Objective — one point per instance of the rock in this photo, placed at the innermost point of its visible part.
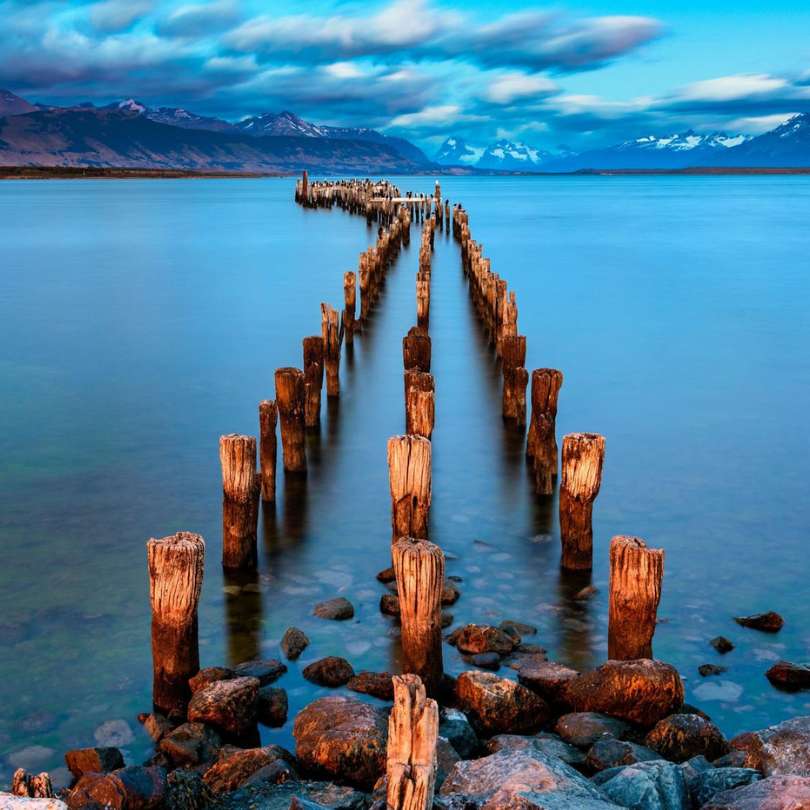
(708, 784)
(185, 790)
(733, 759)
(377, 684)
(228, 706)
(583, 729)
(450, 593)
(609, 752)
(446, 758)
(330, 671)
(778, 750)
(389, 604)
(132, 788)
(775, 793)
(10, 802)
(268, 796)
(641, 691)
(682, 736)
(456, 728)
(789, 677)
(547, 678)
(517, 629)
(499, 706)
(93, 760)
(481, 638)
(770, 622)
(344, 738)
(114, 734)
(293, 643)
(447, 619)
(338, 609)
(654, 785)
(265, 671)
(721, 644)
(237, 768)
(528, 780)
(692, 767)
(191, 744)
(711, 669)
(156, 725)
(548, 744)
(387, 575)
(208, 676)
(488, 660)
(272, 707)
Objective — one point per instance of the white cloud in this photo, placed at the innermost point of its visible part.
(511, 86)
(439, 115)
(116, 15)
(344, 70)
(757, 124)
(732, 88)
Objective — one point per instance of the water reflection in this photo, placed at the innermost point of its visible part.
(243, 615)
(574, 625)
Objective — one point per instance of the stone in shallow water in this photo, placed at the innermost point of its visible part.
(265, 670)
(780, 749)
(682, 736)
(547, 678)
(583, 729)
(377, 684)
(706, 670)
(653, 785)
(708, 784)
(770, 622)
(488, 660)
(134, 787)
(210, 675)
(238, 767)
(114, 733)
(338, 609)
(724, 691)
(774, 793)
(389, 604)
(294, 642)
(228, 706)
(272, 709)
(517, 629)
(789, 677)
(454, 725)
(191, 744)
(93, 760)
(480, 638)
(331, 671)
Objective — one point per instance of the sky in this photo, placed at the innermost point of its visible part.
(569, 76)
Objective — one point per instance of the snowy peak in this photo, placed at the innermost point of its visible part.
(686, 141)
(796, 126)
(283, 123)
(511, 155)
(457, 152)
(131, 105)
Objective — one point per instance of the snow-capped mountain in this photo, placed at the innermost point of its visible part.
(457, 152)
(283, 123)
(511, 156)
(687, 141)
(787, 146)
(173, 116)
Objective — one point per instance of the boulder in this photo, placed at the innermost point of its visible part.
(450, 593)
(330, 671)
(284, 796)
(706, 785)
(682, 736)
(642, 691)
(264, 670)
(389, 604)
(272, 707)
(344, 738)
(525, 779)
(456, 728)
(132, 788)
(488, 660)
(777, 750)
(609, 752)
(789, 677)
(721, 644)
(185, 790)
(482, 638)
(338, 609)
(237, 768)
(547, 678)
(770, 622)
(550, 744)
(377, 684)
(156, 725)
(653, 785)
(774, 793)
(446, 758)
(191, 744)
(210, 675)
(229, 706)
(93, 760)
(293, 643)
(499, 706)
(517, 629)
(583, 729)
(387, 575)
(733, 759)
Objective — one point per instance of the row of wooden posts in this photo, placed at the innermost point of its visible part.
(176, 562)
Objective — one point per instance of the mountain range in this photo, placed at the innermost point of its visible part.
(130, 134)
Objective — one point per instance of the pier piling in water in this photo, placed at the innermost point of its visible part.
(582, 458)
(636, 573)
(420, 394)
(515, 378)
(268, 418)
(349, 303)
(541, 444)
(416, 349)
(332, 331)
(409, 473)
(240, 494)
(175, 566)
(290, 399)
(313, 378)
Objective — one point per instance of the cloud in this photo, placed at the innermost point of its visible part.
(438, 116)
(512, 86)
(732, 88)
(199, 20)
(117, 15)
(756, 125)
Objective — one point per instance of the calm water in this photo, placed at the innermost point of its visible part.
(142, 319)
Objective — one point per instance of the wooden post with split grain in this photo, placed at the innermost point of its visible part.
(240, 491)
(409, 473)
(28, 785)
(420, 398)
(290, 398)
(515, 378)
(636, 573)
(423, 299)
(416, 349)
(541, 445)
(332, 332)
(582, 458)
(175, 565)
(350, 304)
(268, 418)
(313, 378)
(419, 570)
(413, 734)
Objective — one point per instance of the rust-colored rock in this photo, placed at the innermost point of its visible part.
(93, 760)
(191, 744)
(547, 678)
(228, 706)
(238, 767)
(682, 736)
(132, 788)
(777, 750)
(480, 638)
(378, 684)
(210, 675)
(775, 793)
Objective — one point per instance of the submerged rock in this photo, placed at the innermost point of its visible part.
(489, 660)
(777, 750)
(93, 760)
(265, 671)
(547, 678)
(377, 684)
(789, 677)
(191, 744)
(210, 675)
(682, 736)
(238, 767)
(293, 643)
(770, 622)
(338, 609)
(482, 638)
(450, 593)
(517, 629)
(132, 788)
(331, 671)
(721, 644)
(228, 706)
(114, 734)
(583, 729)
(708, 784)
(389, 604)
(272, 708)
(773, 793)
(706, 670)
(654, 785)
(609, 752)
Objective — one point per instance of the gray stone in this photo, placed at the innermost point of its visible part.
(293, 643)
(609, 752)
(780, 749)
(266, 671)
(774, 793)
(583, 729)
(456, 728)
(706, 785)
(654, 785)
(545, 743)
(338, 609)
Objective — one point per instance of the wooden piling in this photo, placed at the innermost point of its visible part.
(423, 300)
(636, 573)
(409, 472)
(313, 378)
(416, 349)
(582, 458)
(175, 565)
(541, 445)
(420, 399)
(349, 303)
(268, 418)
(413, 733)
(515, 378)
(290, 399)
(240, 490)
(332, 332)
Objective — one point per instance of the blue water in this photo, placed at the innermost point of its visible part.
(142, 319)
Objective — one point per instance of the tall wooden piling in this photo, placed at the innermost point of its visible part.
(423, 300)
(409, 473)
(290, 399)
(332, 332)
(313, 378)
(636, 573)
(240, 491)
(420, 399)
(349, 304)
(175, 565)
(582, 458)
(413, 733)
(541, 444)
(268, 418)
(515, 378)
(416, 349)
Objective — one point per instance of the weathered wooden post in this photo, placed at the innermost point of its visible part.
(541, 445)
(582, 458)
(268, 418)
(409, 473)
(305, 186)
(240, 490)
(635, 591)
(313, 378)
(332, 331)
(350, 303)
(413, 733)
(423, 299)
(175, 565)
(290, 398)
(419, 403)
(419, 570)
(515, 378)
(416, 349)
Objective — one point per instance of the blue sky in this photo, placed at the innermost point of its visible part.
(577, 75)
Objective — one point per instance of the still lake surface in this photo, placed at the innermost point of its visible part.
(142, 319)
